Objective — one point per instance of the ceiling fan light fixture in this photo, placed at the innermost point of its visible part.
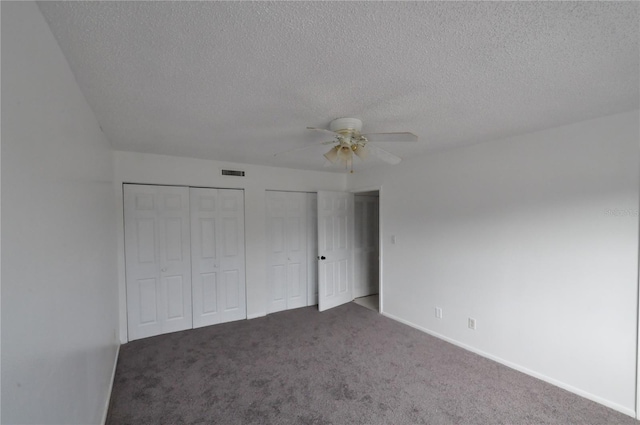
(332, 155)
(361, 151)
(349, 141)
(346, 125)
(345, 153)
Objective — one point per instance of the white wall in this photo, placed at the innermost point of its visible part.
(59, 290)
(169, 170)
(536, 237)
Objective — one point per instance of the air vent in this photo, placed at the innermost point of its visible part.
(233, 173)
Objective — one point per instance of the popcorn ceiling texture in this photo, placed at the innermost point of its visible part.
(240, 81)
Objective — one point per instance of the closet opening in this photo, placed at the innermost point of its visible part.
(366, 288)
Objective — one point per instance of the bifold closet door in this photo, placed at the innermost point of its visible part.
(286, 250)
(217, 256)
(157, 255)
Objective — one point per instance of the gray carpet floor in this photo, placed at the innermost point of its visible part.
(348, 365)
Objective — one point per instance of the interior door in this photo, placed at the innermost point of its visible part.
(157, 255)
(286, 250)
(335, 249)
(217, 233)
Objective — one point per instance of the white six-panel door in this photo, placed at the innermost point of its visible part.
(335, 249)
(287, 278)
(217, 256)
(157, 255)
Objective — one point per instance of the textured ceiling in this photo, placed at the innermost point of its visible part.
(240, 81)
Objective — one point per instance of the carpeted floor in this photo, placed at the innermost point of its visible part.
(348, 365)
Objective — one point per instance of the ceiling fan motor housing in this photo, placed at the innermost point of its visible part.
(346, 125)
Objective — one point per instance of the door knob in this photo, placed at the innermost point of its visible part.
(323, 258)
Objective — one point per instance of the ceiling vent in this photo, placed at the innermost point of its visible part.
(233, 173)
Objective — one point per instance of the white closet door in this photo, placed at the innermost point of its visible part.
(217, 234)
(335, 249)
(287, 250)
(233, 302)
(296, 250)
(157, 254)
(276, 251)
(205, 265)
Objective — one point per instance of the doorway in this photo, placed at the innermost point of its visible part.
(342, 235)
(366, 290)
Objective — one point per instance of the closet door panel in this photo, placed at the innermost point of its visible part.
(232, 288)
(157, 251)
(218, 262)
(142, 264)
(175, 263)
(175, 288)
(296, 250)
(147, 297)
(204, 256)
(208, 294)
(276, 251)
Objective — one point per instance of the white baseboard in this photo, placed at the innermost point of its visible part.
(113, 376)
(519, 368)
(255, 316)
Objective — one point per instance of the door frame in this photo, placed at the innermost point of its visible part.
(380, 240)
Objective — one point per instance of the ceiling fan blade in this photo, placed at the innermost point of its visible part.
(322, 129)
(384, 155)
(294, 150)
(391, 137)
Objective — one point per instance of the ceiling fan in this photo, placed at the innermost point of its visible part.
(349, 141)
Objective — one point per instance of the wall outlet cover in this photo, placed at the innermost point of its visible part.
(472, 323)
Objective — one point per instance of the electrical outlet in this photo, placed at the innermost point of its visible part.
(438, 313)
(472, 323)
